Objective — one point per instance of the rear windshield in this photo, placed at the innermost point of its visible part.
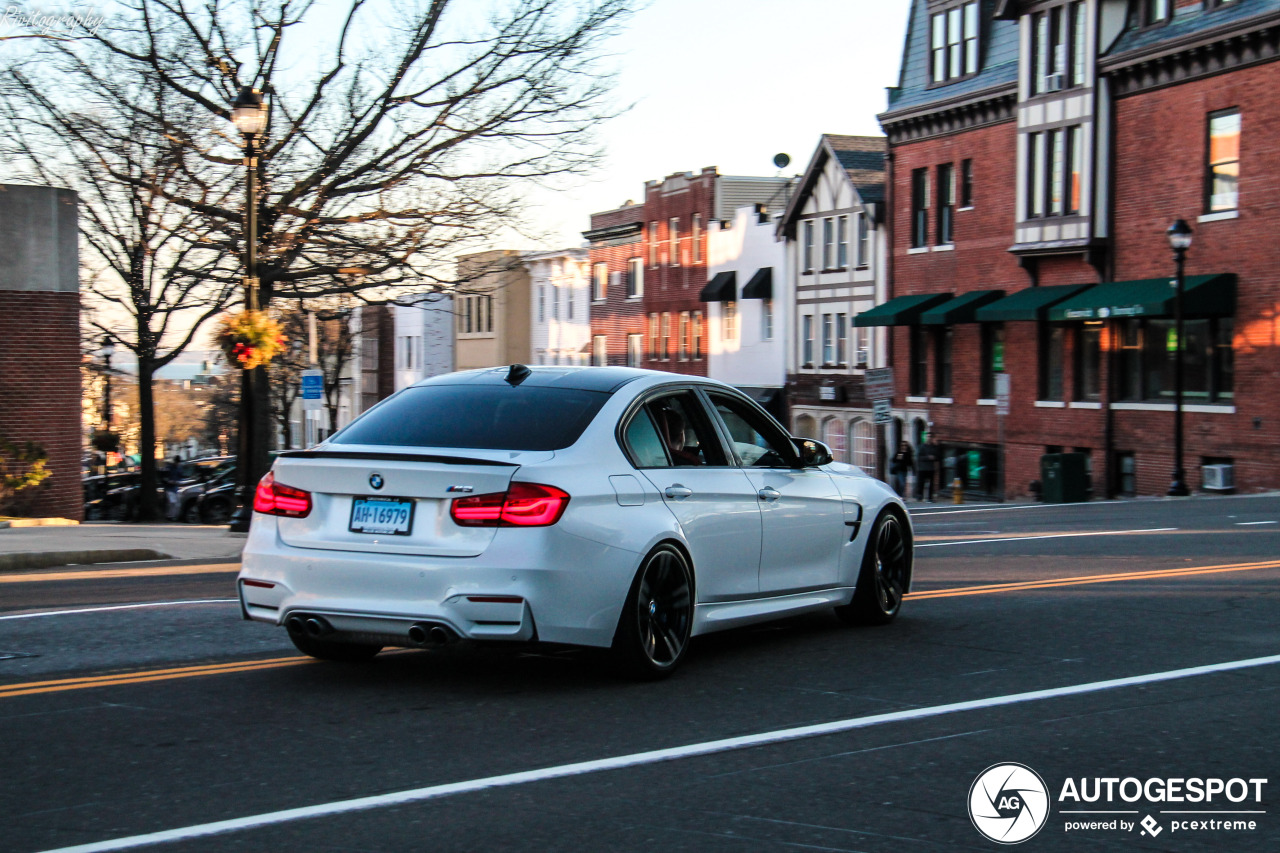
(488, 417)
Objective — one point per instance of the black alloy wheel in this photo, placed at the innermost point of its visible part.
(190, 513)
(657, 619)
(885, 573)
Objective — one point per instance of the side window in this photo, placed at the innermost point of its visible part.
(647, 449)
(673, 431)
(758, 442)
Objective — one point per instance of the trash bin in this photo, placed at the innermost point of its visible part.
(1063, 478)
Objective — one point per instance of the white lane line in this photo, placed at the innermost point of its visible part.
(1046, 536)
(119, 607)
(1251, 523)
(581, 768)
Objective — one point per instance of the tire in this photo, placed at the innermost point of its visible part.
(216, 512)
(885, 573)
(657, 618)
(329, 650)
(190, 514)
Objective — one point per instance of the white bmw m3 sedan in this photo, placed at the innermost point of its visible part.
(596, 506)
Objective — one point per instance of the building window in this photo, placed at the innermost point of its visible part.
(954, 46)
(943, 339)
(695, 238)
(682, 337)
(833, 434)
(828, 350)
(1223, 185)
(1155, 12)
(673, 235)
(864, 445)
(1058, 48)
(568, 299)
(600, 282)
(807, 260)
(992, 358)
(806, 354)
(653, 337)
(1035, 176)
(653, 244)
(1148, 356)
(946, 204)
(635, 346)
(1057, 172)
(919, 360)
(599, 351)
(1078, 53)
(862, 346)
(919, 208)
(1075, 156)
(828, 242)
(842, 340)
(842, 242)
(729, 322)
(542, 304)
(966, 183)
(1088, 362)
(635, 279)
(766, 320)
(1052, 338)
(864, 240)
(696, 332)
(666, 336)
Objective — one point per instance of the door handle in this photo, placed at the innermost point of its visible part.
(768, 493)
(677, 491)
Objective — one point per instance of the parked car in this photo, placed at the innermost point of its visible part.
(218, 502)
(181, 499)
(605, 507)
(110, 497)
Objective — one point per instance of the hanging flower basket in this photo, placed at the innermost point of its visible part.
(249, 339)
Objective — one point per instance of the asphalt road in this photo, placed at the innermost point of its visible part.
(121, 721)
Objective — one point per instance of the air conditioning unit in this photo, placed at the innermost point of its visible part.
(862, 358)
(1219, 478)
(1054, 82)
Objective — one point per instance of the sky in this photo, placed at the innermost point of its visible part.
(731, 84)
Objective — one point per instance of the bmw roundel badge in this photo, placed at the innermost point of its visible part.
(376, 480)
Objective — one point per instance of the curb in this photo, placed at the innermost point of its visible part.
(47, 559)
(38, 522)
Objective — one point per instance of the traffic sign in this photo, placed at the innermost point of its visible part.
(879, 383)
(882, 412)
(1002, 393)
(312, 390)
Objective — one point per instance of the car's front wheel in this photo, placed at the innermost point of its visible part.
(657, 619)
(885, 573)
(216, 512)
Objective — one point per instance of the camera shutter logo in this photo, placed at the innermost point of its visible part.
(1008, 803)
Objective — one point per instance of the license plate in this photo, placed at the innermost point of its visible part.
(382, 515)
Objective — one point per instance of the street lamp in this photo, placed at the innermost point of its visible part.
(1179, 241)
(249, 114)
(108, 350)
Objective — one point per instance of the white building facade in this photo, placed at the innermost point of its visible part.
(423, 337)
(836, 256)
(749, 306)
(560, 315)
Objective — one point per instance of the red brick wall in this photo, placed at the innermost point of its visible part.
(1160, 145)
(675, 288)
(40, 389)
(617, 316)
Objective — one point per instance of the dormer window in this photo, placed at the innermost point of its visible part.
(1058, 48)
(1155, 12)
(954, 51)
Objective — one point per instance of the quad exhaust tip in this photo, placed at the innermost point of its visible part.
(429, 635)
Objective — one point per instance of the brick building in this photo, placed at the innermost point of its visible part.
(616, 279)
(1038, 153)
(40, 337)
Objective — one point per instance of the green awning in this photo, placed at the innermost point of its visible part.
(723, 287)
(1030, 304)
(1203, 296)
(960, 309)
(902, 311)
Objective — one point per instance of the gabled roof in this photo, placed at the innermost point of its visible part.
(861, 158)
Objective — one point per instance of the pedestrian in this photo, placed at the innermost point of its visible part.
(900, 466)
(926, 469)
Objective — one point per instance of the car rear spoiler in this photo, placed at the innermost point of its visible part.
(392, 457)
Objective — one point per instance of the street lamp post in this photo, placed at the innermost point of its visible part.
(249, 114)
(1179, 241)
(108, 350)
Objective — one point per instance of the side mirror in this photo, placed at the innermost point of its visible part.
(813, 453)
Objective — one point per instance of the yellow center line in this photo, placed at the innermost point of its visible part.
(990, 589)
(106, 574)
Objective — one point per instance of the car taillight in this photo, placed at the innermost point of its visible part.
(521, 505)
(275, 498)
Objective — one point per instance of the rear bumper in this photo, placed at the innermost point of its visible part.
(537, 583)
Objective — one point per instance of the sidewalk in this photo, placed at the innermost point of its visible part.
(41, 547)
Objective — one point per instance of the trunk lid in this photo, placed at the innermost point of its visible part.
(426, 479)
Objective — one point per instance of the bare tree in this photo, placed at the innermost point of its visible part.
(335, 344)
